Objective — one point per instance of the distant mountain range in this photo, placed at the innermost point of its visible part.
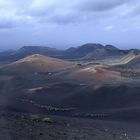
(89, 51)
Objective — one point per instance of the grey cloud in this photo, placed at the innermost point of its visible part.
(79, 10)
(101, 5)
(6, 25)
(67, 22)
(135, 10)
(62, 11)
(64, 19)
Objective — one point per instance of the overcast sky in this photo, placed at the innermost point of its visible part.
(64, 23)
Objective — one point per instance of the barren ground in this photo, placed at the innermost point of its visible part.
(19, 126)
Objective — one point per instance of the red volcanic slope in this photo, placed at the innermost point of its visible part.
(94, 73)
(37, 63)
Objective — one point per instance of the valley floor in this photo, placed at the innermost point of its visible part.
(19, 126)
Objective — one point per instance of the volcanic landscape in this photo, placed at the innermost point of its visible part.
(94, 84)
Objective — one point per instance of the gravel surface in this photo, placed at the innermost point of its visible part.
(19, 126)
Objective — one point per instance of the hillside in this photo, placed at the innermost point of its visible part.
(124, 59)
(25, 51)
(43, 84)
(134, 63)
(36, 63)
(93, 73)
(90, 51)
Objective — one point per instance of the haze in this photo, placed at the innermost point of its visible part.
(63, 24)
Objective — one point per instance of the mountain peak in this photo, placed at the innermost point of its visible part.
(37, 63)
(36, 48)
(111, 47)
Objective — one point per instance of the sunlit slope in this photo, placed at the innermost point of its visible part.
(37, 63)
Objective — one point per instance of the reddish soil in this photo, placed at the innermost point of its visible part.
(37, 63)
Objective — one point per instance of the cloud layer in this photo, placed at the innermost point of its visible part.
(61, 22)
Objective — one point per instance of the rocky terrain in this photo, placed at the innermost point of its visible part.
(86, 52)
(92, 82)
(20, 126)
(36, 64)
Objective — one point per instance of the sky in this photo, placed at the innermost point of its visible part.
(63, 23)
